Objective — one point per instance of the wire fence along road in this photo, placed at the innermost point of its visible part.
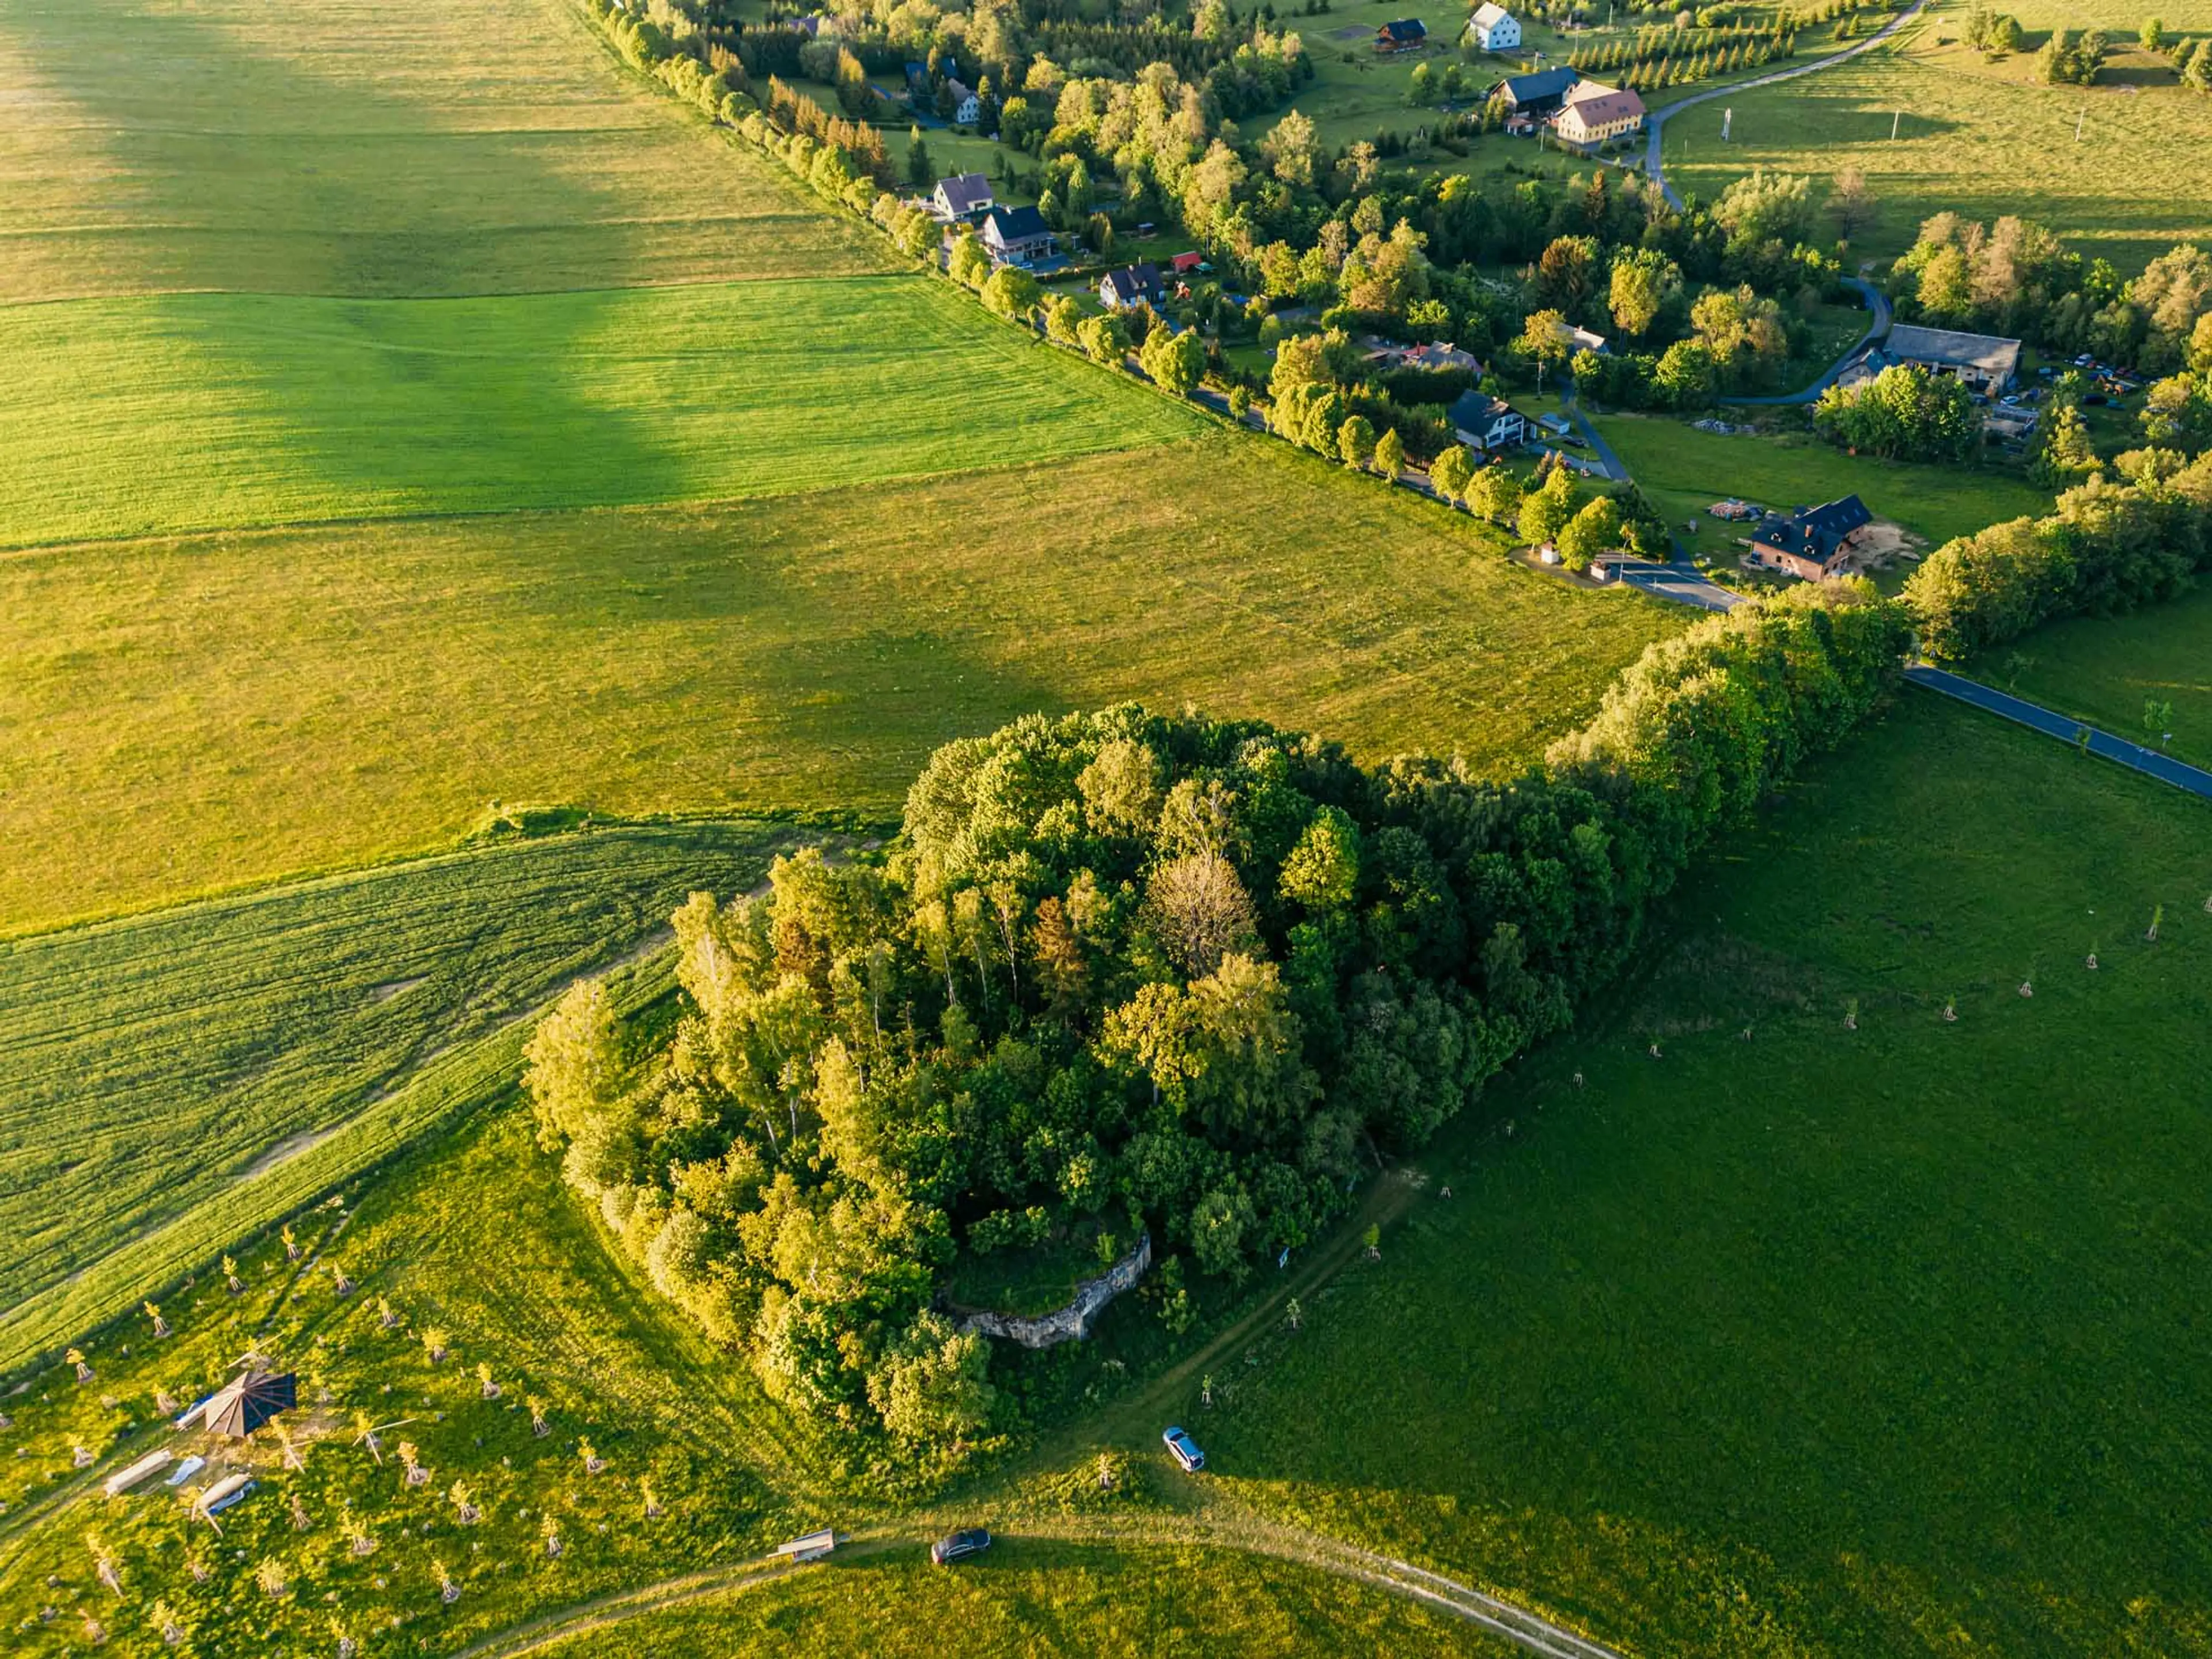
(2065, 728)
(1656, 124)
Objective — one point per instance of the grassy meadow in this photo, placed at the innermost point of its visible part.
(1685, 472)
(201, 412)
(1982, 140)
(180, 1078)
(1821, 1341)
(384, 681)
(343, 147)
(2104, 670)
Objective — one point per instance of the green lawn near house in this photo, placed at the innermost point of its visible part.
(1820, 1341)
(332, 147)
(188, 714)
(1684, 470)
(191, 411)
(180, 1079)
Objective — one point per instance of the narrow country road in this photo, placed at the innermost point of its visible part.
(2065, 728)
(1656, 124)
(1877, 304)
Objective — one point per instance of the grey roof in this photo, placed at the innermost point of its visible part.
(964, 193)
(1814, 533)
(1947, 349)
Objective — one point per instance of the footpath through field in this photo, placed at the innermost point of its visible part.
(1657, 125)
(2064, 727)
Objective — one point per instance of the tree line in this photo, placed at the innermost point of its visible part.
(1130, 973)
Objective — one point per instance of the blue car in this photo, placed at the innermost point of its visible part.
(1185, 1450)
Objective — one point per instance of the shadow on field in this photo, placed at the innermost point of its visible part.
(221, 196)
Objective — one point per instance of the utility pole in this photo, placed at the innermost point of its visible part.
(1895, 116)
(2078, 119)
(1727, 119)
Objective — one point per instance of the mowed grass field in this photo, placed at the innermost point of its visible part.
(1685, 472)
(177, 1080)
(187, 714)
(348, 147)
(1822, 1341)
(196, 411)
(1977, 139)
(2105, 670)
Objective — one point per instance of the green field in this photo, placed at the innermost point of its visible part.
(197, 412)
(1684, 470)
(2105, 669)
(1977, 139)
(180, 1079)
(344, 147)
(1041, 1599)
(384, 681)
(1825, 1341)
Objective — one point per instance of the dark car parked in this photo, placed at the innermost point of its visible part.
(959, 1546)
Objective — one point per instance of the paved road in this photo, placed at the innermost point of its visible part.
(2065, 728)
(1657, 123)
(1683, 583)
(1877, 302)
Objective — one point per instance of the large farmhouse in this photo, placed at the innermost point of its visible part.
(1811, 542)
(1493, 28)
(1985, 361)
(1594, 114)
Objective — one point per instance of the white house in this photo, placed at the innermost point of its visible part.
(1488, 423)
(967, 107)
(961, 195)
(1494, 28)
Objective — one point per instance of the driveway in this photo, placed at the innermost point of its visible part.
(2065, 728)
(1656, 124)
(1877, 303)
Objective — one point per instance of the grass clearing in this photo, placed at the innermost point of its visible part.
(1684, 470)
(345, 147)
(1828, 1342)
(1973, 138)
(180, 1078)
(201, 412)
(384, 681)
(2105, 669)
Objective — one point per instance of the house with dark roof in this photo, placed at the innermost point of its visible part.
(1535, 94)
(962, 197)
(1406, 34)
(1488, 423)
(967, 108)
(1017, 235)
(1131, 286)
(1810, 542)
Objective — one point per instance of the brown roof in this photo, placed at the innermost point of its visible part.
(1603, 108)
